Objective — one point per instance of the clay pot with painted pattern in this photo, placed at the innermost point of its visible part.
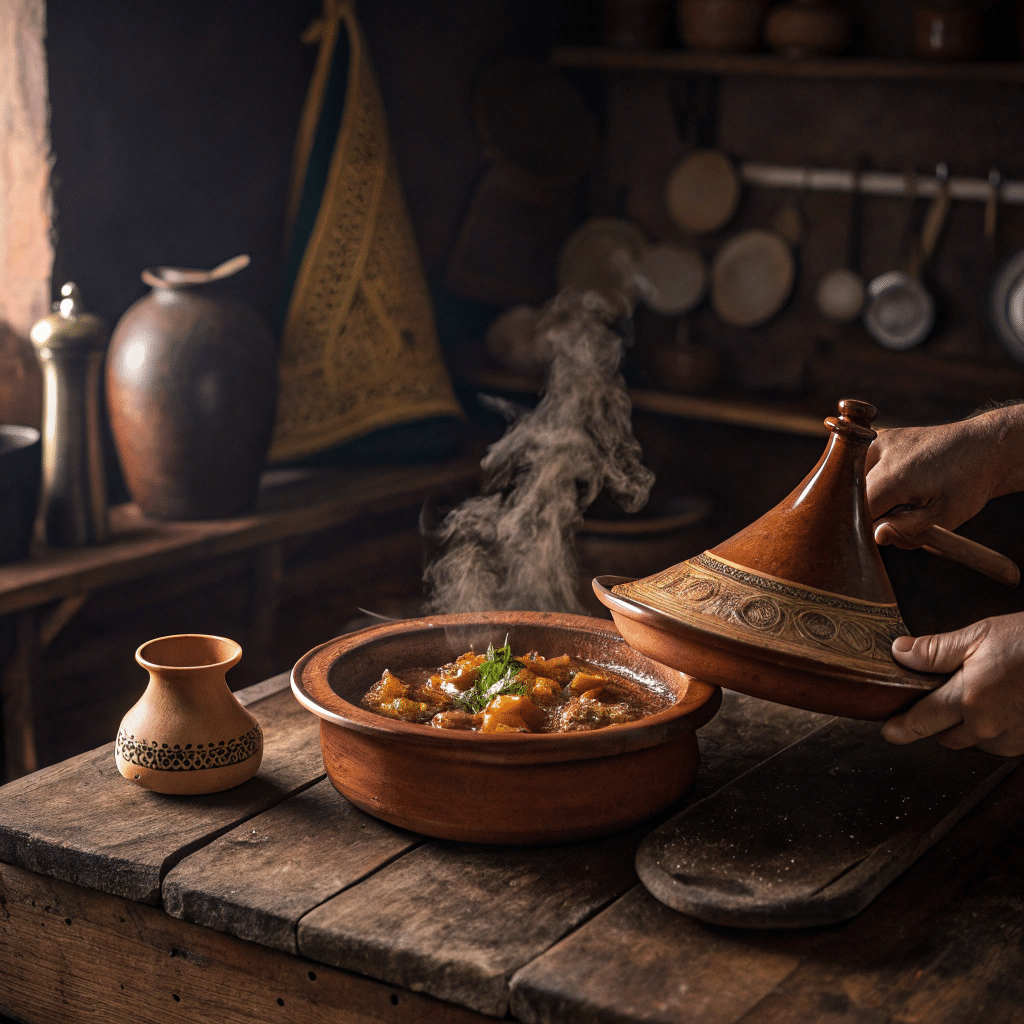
(188, 734)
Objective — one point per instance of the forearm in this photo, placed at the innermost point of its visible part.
(1005, 426)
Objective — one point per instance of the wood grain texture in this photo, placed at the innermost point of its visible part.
(81, 822)
(743, 733)
(73, 955)
(813, 834)
(138, 545)
(257, 880)
(457, 921)
(943, 945)
(759, 65)
(648, 963)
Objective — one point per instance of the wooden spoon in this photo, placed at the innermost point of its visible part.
(958, 549)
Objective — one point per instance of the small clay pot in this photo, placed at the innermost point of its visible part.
(945, 32)
(188, 734)
(807, 28)
(728, 26)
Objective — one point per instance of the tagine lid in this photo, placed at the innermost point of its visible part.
(802, 587)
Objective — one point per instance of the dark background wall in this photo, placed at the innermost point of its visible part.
(173, 125)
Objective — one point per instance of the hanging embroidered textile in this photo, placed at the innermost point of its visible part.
(359, 345)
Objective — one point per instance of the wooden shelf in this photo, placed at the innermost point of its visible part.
(600, 58)
(763, 415)
(292, 503)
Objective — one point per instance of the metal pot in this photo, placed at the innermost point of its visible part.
(900, 311)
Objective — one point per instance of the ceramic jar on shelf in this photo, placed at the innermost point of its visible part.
(808, 28)
(948, 30)
(192, 392)
(726, 26)
(634, 24)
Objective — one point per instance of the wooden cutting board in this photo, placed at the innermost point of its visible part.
(812, 835)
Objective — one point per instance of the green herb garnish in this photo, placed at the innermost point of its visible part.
(496, 676)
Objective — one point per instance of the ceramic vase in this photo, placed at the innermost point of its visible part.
(188, 734)
(726, 26)
(634, 24)
(948, 31)
(808, 28)
(192, 392)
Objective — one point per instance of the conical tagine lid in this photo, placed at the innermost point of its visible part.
(796, 608)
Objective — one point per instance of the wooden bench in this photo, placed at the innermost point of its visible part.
(279, 901)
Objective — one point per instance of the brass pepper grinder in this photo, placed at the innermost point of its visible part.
(70, 344)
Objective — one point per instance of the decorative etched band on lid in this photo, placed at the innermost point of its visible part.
(724, 599)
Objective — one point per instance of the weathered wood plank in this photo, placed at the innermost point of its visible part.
(813, 834)
(74, 955)
(946, 944)
(743, 733)
(457, 921)
(267, 688)
(257, 880)
(641, 961)
(81, 822)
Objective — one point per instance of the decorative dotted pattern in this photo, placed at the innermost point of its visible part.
(190, 757)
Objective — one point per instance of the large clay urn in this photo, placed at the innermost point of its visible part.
(192, 392)
(796, 608)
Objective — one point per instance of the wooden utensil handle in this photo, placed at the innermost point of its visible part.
(972, 554)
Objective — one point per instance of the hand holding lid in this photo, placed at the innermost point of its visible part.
(796, 608)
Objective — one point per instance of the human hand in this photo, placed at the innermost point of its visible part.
(982, 704)
(942, 475)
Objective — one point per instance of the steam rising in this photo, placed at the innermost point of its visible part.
(513, 546)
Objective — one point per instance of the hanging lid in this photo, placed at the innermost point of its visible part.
(796, 608)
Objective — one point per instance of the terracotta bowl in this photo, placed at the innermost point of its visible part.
(485, 788)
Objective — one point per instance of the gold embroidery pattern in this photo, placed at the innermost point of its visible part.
(720, 598)
(359, 349)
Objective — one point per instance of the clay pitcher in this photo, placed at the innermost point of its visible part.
(192, 392)
(188, 734)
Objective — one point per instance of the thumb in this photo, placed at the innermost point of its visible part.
(939, 652)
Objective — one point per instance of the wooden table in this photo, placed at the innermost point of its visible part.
(279, 901)
(47, 590)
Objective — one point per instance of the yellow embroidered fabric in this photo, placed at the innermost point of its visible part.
(359, 349)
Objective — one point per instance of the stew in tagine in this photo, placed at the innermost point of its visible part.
(496, 692)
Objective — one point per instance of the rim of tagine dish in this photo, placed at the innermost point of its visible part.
(500, 788)
(814, 680)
